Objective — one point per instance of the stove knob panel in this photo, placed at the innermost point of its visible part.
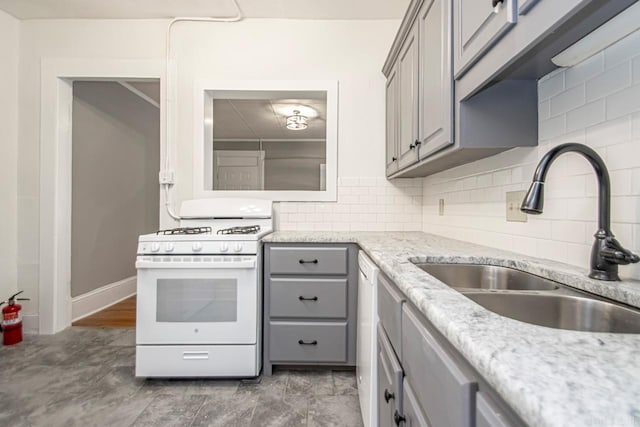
(155, 247)
(237, 247)
(169, 247)
(197, 247)
(224, 247)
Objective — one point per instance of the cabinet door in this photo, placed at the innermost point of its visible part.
(524, 6)
(408, 99)
(436, 89)
(443, 387)
(389, 393)
(488, 414)
(413, 416)
(477, 26)
(392, 121)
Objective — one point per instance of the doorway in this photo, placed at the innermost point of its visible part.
(114, 194)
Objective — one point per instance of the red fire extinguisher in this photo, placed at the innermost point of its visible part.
(12, 320)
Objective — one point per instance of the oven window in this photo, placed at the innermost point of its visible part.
(197, 300)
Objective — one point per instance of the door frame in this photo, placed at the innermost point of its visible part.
(57, 77)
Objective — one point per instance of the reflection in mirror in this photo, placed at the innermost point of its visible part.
(267, 141)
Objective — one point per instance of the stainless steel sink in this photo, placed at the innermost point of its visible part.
(561, 311)
(474, 276)
(529, 298)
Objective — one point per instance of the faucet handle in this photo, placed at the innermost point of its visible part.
(614, 252)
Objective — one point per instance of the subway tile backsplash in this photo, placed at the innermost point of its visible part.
(364, 204)
(597, 103)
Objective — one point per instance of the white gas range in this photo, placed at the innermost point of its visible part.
(199, 292)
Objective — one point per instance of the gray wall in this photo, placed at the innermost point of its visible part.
(116, 158)
(288, 165)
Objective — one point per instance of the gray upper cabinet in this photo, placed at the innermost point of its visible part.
(392, 121)
(478, 26)
(408, 100)
(436, 82)
(496, 50)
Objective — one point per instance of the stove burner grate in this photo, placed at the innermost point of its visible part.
(185, 230)
(249, 229)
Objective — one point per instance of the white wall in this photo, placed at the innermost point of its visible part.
(596, 103)
(115, 197)
(9, 47)
(61, 39)
(351, 52)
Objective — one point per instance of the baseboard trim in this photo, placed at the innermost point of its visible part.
(101, 298)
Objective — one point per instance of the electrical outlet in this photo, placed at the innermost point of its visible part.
(441, 207)
(514, 200)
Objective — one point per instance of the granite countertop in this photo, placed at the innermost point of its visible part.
(550, 377)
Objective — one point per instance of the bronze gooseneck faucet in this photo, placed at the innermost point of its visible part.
(607, 253)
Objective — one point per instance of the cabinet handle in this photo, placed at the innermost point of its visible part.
(301, 298)
(301, 342)
(393, 159)
(417, 143)
(388, 396)
(411, 146)
(313, 261)
(494, 3)
(397, 418)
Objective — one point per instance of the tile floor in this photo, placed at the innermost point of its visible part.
(84, 377)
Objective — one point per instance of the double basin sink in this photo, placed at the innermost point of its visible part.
(533, 299)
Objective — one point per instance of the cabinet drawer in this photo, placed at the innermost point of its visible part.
(390, 312)
(308, 342)
(389, 393)
(477, 27)
(301, 260)
(319, 298)
(443, 388)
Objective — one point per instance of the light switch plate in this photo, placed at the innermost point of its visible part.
(514, 200)
(441, 207)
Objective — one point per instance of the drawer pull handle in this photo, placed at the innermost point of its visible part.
(397, 418)
(388, 396)
(301, 342)
(301, 298)
(313, 261)
(494, 3)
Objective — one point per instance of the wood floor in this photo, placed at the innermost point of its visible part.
(120, 315)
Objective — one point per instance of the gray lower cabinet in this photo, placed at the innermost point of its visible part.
(390, 395)
(310, 303)
(430, 384)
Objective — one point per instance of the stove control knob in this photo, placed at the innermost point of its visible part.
(169, 247)
(197, 247)
(224, 247)
(155, 247)
(237, 247)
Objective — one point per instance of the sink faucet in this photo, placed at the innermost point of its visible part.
(607, 253)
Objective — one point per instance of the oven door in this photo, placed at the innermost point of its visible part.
(197, 300)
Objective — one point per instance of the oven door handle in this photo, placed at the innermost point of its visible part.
(148, 263)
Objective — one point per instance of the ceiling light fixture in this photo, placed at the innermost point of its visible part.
(297, 121)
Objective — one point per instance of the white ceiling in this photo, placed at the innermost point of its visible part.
(150, 9)
(265, 119)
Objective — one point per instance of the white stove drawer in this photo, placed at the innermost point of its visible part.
(176, 361)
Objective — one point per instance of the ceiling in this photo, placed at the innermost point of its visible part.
(151, 9)
(266, 118)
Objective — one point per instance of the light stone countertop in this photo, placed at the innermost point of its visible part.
(550, 377)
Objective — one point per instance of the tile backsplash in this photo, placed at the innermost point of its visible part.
(597, 103)
(364, 204)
